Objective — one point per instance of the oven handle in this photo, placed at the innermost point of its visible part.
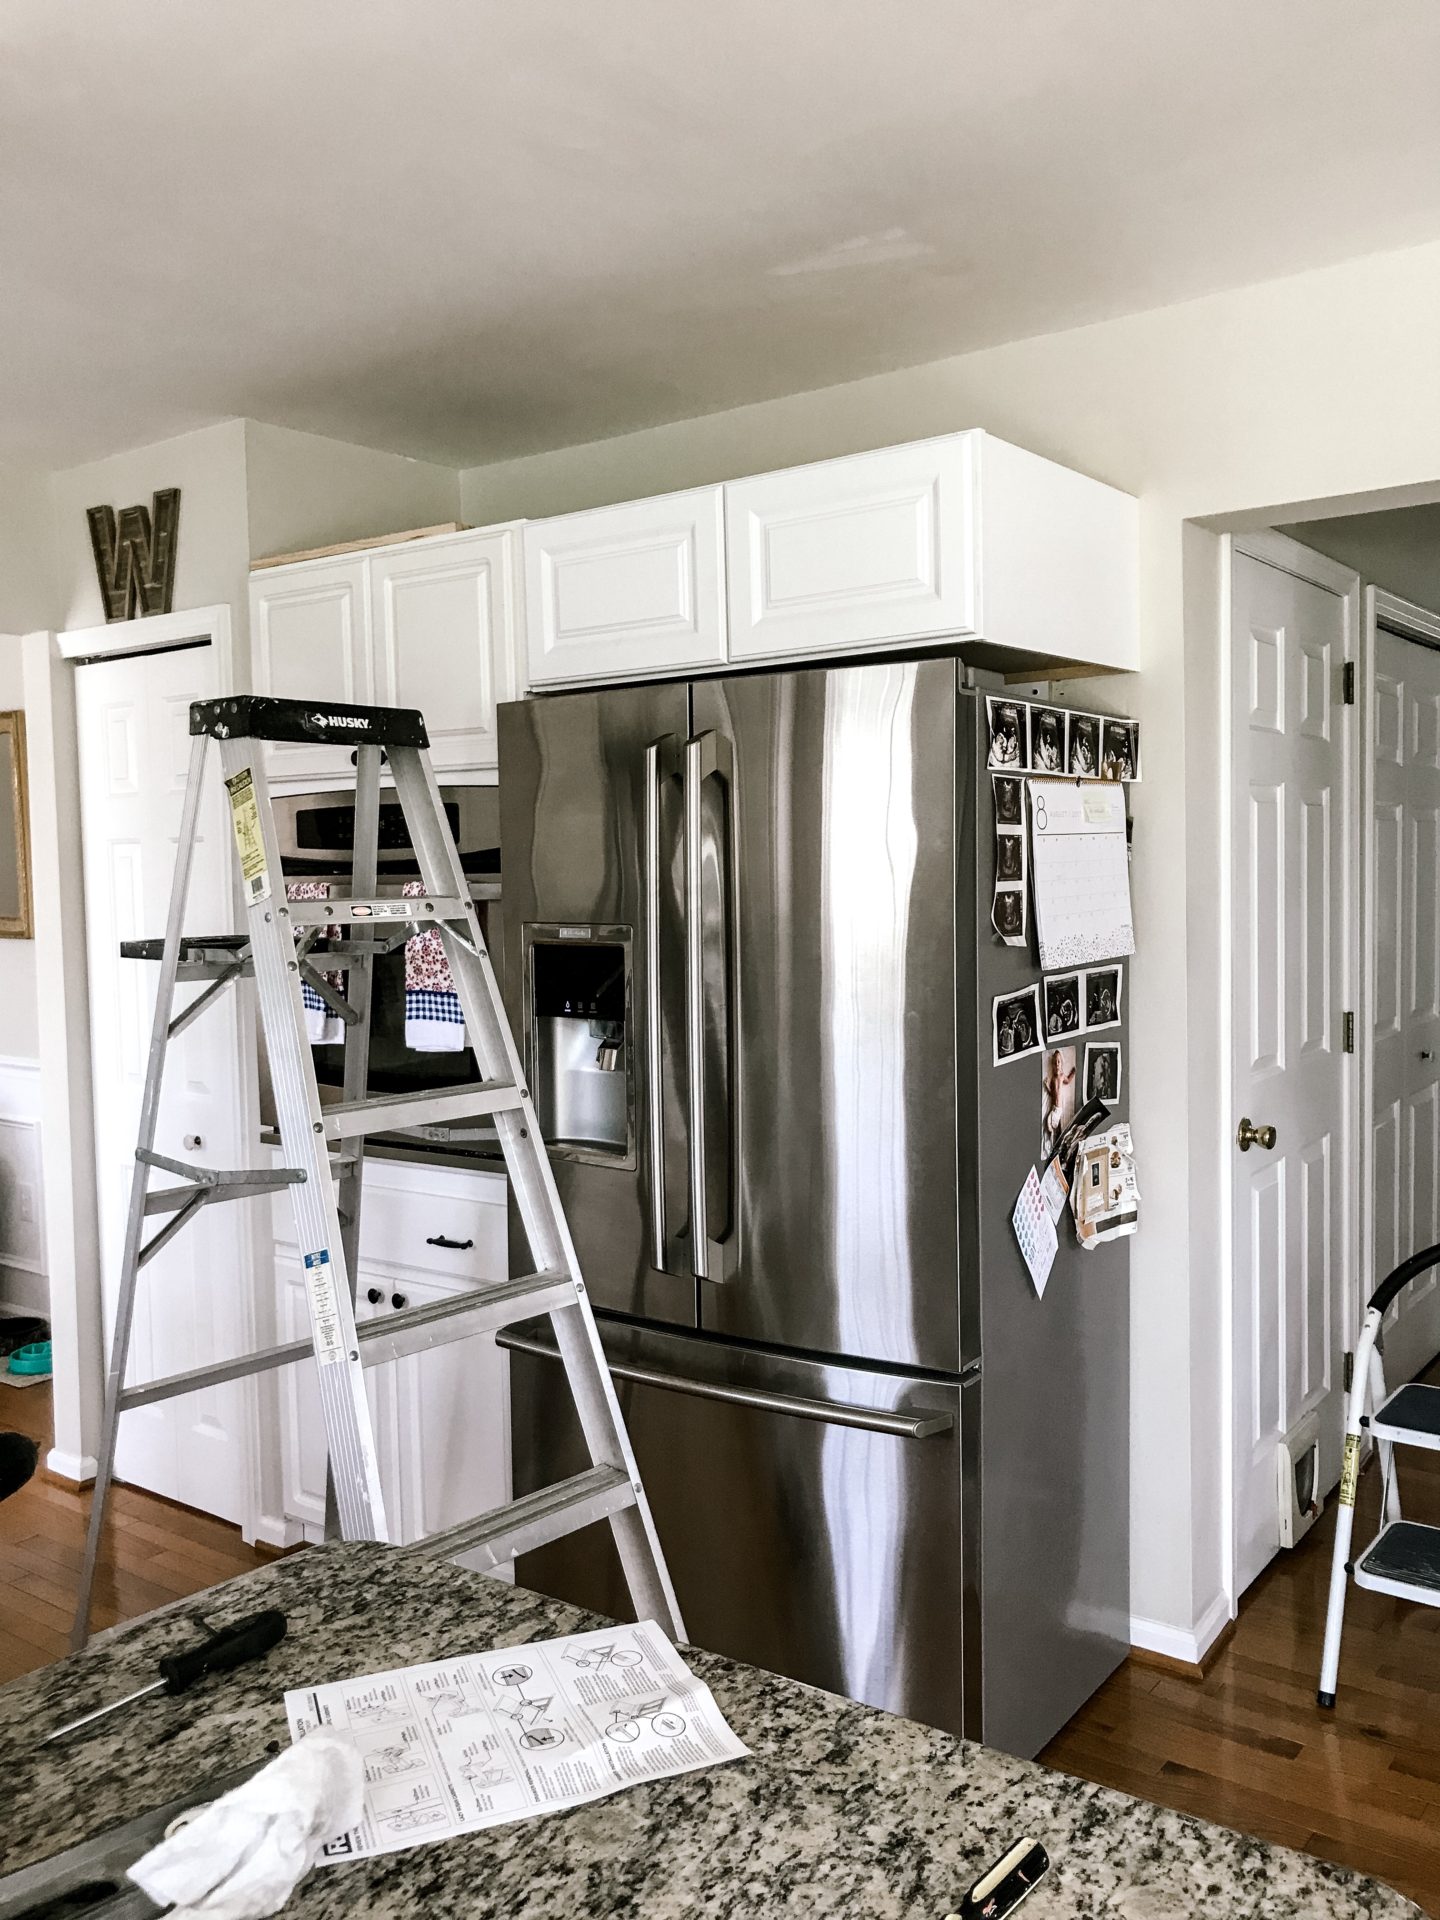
(833, 1413)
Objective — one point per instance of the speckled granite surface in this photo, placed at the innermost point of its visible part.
(840, 1810)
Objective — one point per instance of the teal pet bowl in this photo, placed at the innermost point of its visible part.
(31, 1359)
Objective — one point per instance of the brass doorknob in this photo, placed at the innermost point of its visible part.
(1247, 1136)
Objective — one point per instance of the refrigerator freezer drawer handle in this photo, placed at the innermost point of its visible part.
(833, 1413)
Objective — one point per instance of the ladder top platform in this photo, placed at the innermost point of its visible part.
(253, 716)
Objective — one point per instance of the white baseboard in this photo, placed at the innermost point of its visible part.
(275, 1530)
(79, 1467)
(1178, 1643)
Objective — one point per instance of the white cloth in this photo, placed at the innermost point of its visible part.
(242, 1857)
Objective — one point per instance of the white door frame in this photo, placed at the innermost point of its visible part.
(1277, 550)
(1411, 623)
(151, 634)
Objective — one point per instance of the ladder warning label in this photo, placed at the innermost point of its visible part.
(324, 1308)
(1350, 1470)
(245, 816)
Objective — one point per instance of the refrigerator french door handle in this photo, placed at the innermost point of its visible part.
(660, 763)
(706, 756)
(833, 1413)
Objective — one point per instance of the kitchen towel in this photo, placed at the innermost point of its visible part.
(241, 1857)
(323, 1026)
(433, 1020)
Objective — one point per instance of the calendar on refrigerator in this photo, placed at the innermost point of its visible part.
(1080, 872)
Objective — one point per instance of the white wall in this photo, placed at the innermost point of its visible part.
(212, 552)
(1296, 393)
(305, 491)
(1399, 550)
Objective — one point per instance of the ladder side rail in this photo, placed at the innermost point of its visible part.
(359, 991)
(533, 1183)
(139, 1185)
(1366, 1369)
(339, 1374)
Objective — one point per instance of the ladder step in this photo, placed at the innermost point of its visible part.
(430, 908)
(390, 1338)
(1410, 1417)
(534, 1521)
(383, 1113)
(463, 1315)
(1403, 1560)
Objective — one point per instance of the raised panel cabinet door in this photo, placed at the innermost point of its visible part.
(626, 591)
(310, 640)
(443, 614)
(868, 549)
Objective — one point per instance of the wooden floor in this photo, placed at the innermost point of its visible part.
(1246, 1747)
(156, 1552)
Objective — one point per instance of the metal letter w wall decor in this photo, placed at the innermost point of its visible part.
(135, 563)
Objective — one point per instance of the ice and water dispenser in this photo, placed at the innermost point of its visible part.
(579, 1042)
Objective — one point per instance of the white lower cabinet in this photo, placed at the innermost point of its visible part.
(442, 1419)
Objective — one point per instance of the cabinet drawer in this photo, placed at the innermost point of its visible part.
(624, 591)
(436, 1224)
(860, 551)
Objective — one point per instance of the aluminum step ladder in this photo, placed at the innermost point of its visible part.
(1403, 1560)
(324, 1146)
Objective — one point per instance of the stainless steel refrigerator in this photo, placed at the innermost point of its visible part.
(750, 959)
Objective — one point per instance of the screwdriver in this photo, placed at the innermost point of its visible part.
(231, 1647)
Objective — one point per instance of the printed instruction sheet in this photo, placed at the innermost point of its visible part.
(457, 1745)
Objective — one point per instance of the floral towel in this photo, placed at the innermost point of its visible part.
(433, 1020)
(323, 1027)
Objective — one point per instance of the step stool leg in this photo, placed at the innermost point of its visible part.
(139, 1183)
(1345, 1513)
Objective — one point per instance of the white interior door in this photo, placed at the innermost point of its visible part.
(1290, 637)
(1405, 1111)
(133, 717)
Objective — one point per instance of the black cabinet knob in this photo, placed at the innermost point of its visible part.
(397, 1300)
(374, 1295)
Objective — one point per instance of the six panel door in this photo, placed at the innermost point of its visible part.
(1290, 1252)
(1405, 1113)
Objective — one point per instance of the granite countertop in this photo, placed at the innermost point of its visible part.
(840, 1810)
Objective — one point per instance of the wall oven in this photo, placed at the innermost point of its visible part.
(316, 832)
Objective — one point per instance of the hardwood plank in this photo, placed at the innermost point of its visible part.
(1248, 1746)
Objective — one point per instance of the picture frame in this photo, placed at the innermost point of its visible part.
(17, 920)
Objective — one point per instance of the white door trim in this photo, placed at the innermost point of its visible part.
(1290, 556)
(154, 632)
(1416, 623)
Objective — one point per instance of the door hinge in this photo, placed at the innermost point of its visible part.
(1347, 684)
(1349, 1371)
(1347, 1033)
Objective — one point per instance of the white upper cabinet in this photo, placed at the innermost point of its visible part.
(626, 592)
(309, 631)
(430, 623)
(852, 553)
(964, 536)
(443, 614)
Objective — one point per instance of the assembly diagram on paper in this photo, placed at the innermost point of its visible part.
(457, 1745)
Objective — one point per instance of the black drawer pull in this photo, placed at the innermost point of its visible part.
(397, 1300)
(374, 1296)
(455, 1246)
